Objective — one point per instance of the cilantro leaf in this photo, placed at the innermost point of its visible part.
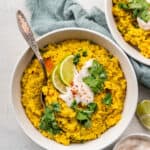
(84, 53)
(107, 99)
(84, 119)
(74, 104)
(48, 120)
(92, 107)
(94, 84)
(123, 6)
(83, 116)
(139, 8)
(76, 59)
(96, 78)
(56, 107)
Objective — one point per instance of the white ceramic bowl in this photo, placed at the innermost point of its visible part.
(137, 135)
(131, 51)
(130, 101)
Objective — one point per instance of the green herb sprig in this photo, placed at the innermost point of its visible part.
(48, 121)
(84, 115)
(107, 99)
(84, 53)
(139, 8)
(76, 59)
(96, 78)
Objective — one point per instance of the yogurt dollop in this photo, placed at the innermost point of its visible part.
(79, 91)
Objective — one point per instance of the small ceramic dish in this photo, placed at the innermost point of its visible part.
(135, 141)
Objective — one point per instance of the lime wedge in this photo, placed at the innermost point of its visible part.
(66, 70)
(58, 84)
(143, 112)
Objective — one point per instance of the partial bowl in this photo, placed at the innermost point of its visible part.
(139, 136)
(131, 51)
(111, 135)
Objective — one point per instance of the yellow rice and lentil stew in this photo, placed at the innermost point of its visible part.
(129, 28)
(69, 129)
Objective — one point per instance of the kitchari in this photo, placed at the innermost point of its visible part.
(84, 94)
(133, 21)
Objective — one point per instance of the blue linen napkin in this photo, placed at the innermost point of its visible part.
(48, 15)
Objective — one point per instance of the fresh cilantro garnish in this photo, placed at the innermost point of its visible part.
(84, 115)
(123, 6)
(55, 107)
(48, 120)
(139, 8)
(74, 104)
(84, 53)
(92, 107)
(76, 59)
(107, 99)
(145, 15)
(96, 78)
(83, 119)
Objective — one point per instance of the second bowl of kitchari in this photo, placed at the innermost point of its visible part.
(84, 95)
(129, 24)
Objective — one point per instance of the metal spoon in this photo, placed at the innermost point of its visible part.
(29, 37)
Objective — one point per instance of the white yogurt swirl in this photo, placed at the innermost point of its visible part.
(79, 91)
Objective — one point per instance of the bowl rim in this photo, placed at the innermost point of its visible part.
(142, 135)
(73, 29)
(130, 50)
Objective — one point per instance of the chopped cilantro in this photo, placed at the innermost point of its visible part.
(123, 6)
(139, 8)
(107, 99)
(94, 84)
(55, 107)
(96, 78)
(84, 53)
(74, 104)
(48, 120)
(84, 115)
(76, 59)
(92, 107)
(87, 123)
(81, 116)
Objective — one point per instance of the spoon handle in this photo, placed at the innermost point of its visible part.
(29, 37)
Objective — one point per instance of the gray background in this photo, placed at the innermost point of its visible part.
(12, 46)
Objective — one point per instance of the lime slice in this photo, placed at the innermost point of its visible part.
(58, 84)
(143, 112)
(66, 70)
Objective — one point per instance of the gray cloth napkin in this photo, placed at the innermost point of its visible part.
(48, 15)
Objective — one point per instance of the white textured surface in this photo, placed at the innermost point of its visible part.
(12, 46)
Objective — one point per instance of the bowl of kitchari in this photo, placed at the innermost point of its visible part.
(90, 95)
(129, 23)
